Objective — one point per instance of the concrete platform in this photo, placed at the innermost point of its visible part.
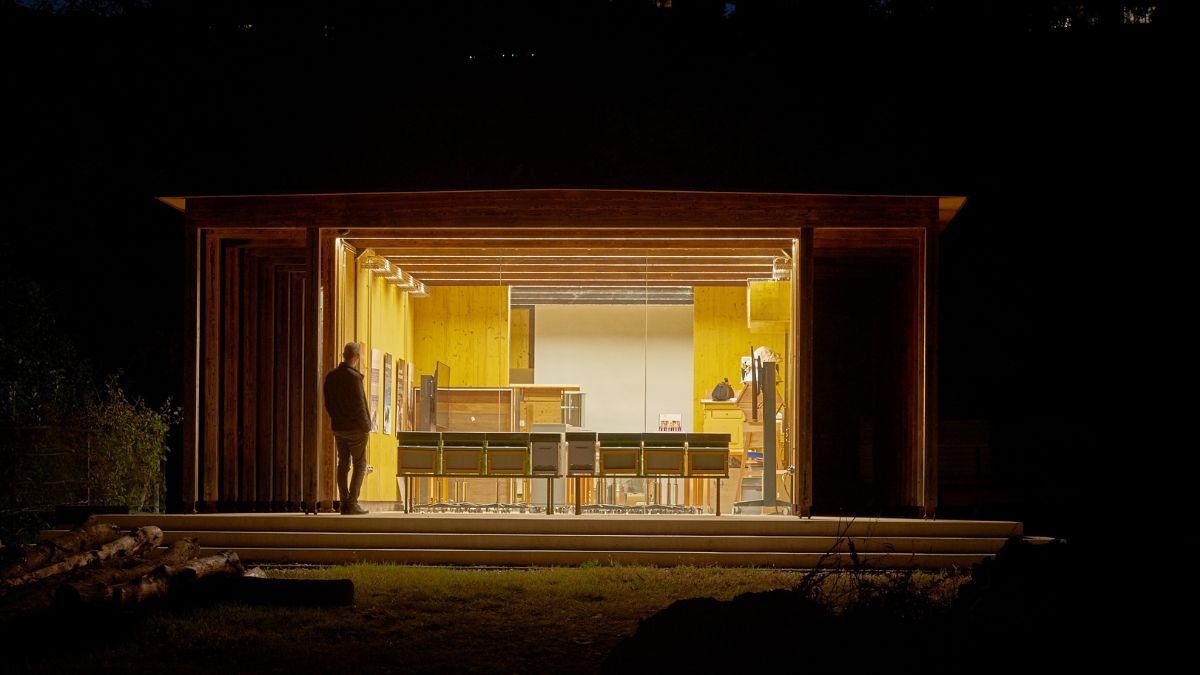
(531, 540)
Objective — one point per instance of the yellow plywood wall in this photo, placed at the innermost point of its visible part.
(720, 337)
(519, 338)
(380, 316)
(465, 327)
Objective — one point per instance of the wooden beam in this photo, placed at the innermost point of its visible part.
(667, 236)
(266, 384)
(551, 260)
(330, 295)
(659, 247)
(559, 208)
(716, 274)
(248, 235)
(874, 236)
(230, 381)
(314, 316)
(756, 271)
(212, 372)
(802, 311)
(248, 491)
(929, 362)
(193, 292)
(559, 283)
(279, 489)
(295, 330)
(452, 249)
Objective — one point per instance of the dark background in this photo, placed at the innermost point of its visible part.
(1052, 117)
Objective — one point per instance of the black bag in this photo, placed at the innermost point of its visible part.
(722, 392)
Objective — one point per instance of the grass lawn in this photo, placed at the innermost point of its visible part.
(425, 620)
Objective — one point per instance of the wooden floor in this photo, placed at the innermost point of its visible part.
(534, 540)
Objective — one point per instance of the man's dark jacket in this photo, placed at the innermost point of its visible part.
(345, 400)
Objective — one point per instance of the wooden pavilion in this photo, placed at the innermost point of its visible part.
(268, 294)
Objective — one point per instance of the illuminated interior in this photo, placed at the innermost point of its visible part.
(591, 330)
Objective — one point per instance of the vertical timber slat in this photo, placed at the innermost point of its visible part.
(266, 382)
(295, 391)
(313, 319)
(280, 471)
(929, 358)
(212, 370)
(194, 265)
(909, 481)
(249, 284)
(229, 381)
(330, 293)
(803, 311)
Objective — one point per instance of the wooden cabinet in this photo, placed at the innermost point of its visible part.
(725, 417)
(540, 404)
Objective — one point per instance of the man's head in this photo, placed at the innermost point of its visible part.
(350, 353)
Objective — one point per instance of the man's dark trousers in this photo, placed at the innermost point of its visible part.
(351, 445)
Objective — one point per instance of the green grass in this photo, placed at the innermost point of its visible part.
(438, 619)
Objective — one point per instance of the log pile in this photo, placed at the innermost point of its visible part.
(100, 566)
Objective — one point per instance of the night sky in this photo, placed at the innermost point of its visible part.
(1052, 132)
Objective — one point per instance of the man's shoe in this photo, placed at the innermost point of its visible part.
(354, 509)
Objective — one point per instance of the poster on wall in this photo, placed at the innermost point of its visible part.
(410, 400)
(401, 387)
(387, 393)
(373, 400)
(670, 422)
(747, 369)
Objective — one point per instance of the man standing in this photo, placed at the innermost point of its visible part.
(346, 403)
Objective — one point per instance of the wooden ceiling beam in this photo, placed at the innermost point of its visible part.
(563, 208)
(561, 249)
(587, 283)
(473, 268)
(537, 260)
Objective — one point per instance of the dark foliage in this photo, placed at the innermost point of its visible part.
(1023, 606)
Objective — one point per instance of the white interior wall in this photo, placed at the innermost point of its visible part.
(633, 362)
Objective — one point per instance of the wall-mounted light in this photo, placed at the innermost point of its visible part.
(403, 281)
(781, 269)
(375, 263)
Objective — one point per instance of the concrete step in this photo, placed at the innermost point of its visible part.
(537, 558)
(531, 540)
(568, 524)
(588, 542)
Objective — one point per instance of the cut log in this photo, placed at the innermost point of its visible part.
(130, 545)
(225, 562)
(92, 534)
(291, 592)
(164, 580)
(153, 586)
(179, 553)
(96, 586)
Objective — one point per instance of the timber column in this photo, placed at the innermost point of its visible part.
(189, 470)
(928, 419)
(802, 318)
(312, 370)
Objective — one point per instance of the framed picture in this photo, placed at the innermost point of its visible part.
(387, 394)
(410, 399)
(373, 399)
(401, 387)
(670, 422)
